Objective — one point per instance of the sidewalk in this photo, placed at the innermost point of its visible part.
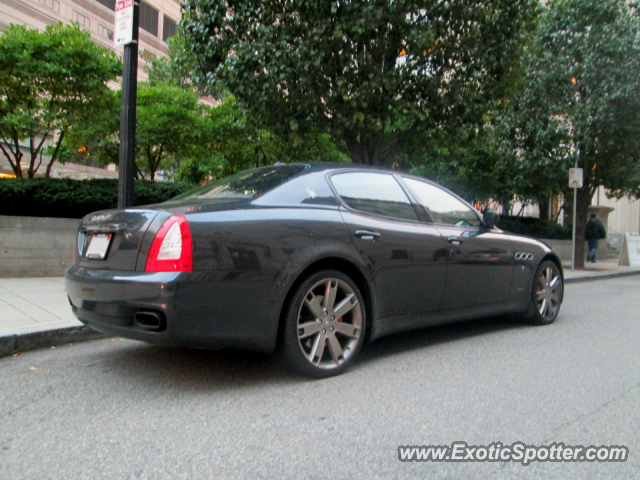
(35, 312)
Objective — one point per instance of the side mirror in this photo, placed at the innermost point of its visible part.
(490, 218)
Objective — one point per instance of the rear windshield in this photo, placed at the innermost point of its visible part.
(248, 184)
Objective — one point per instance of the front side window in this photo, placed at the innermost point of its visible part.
(441, 206)
(377, 193)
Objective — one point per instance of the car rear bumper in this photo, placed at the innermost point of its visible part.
(187, 305)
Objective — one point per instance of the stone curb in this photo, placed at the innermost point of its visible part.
(22, 342)
(601, 276)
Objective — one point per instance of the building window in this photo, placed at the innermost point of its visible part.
(149, 18)
(84, 21)
(110, 4)
(105, 32)
(52, 4)
(168, 28)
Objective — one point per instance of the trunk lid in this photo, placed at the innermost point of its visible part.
(111, 239)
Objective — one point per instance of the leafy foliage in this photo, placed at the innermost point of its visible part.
(580, 104)
(67, 198)
(175, 70)
(380, 76)
(168, 119)
(49, 82)
(168, 125)
(229, 143)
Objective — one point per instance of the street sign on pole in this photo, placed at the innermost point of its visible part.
(575, 181)
(575, 177)
(124, 22)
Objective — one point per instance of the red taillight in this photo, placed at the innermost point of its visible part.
(171, 249)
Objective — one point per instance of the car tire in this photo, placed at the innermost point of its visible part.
(547, 293)
(324, 325)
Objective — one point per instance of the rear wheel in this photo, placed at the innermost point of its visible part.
(324, 325)
(546, 294)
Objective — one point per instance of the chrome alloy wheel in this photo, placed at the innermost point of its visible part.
(549, 292)
(329, 323)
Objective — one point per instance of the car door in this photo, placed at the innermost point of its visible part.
(480, 260)
(406, 256)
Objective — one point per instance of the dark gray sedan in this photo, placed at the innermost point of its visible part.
(311, 261)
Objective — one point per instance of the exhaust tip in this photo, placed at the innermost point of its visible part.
(150, 320)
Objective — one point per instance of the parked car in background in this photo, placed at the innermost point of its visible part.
(309, 260)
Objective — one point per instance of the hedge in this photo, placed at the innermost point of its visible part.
(534, 227)
(67, 198)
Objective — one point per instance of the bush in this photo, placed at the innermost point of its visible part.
(534, 227)
(67, 198)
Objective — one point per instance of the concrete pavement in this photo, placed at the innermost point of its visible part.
(35, 312)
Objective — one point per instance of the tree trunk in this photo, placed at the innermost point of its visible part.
(54, 156)
(17, 158)
(366, 154)
(543, 206)
(359, 153)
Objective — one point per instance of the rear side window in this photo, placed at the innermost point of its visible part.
(376, 193)
(248, 184)
(441, 206)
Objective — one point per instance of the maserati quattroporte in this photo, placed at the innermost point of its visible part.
(311, 261)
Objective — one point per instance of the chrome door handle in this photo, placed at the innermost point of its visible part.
(367, 235)
(454, 240)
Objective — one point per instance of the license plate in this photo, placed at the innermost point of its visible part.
(98, 246)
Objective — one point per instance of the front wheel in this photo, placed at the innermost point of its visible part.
(324, 325)
(546, 294)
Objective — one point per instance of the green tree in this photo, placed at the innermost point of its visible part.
(378, 75)
(230, 142)
(176, 68)
(168, 122)
(580, 104)
(96, 142)
(49, 82)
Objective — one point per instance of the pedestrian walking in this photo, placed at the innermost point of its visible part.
(594, 232)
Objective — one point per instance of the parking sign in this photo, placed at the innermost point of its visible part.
(575, 177)
(124, 22)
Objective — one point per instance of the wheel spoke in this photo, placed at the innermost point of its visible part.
(346, 305)
(543, 307)
(313, 304)
(317, 350)
(307, 329)
(347, 329)
(543, 281)
(330, 295)
(335, 349)
(555, 281)
(548, 275)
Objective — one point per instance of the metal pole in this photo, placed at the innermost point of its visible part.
(575, 212)
(128, 117)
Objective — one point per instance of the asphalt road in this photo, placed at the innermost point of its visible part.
(118, 409)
